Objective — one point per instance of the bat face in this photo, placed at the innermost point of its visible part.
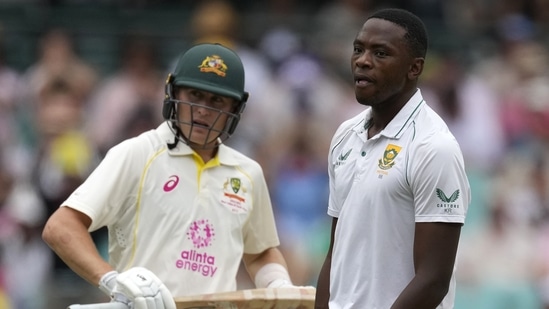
(279, 298)
(213, 306)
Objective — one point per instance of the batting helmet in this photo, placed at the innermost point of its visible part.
(213, 68)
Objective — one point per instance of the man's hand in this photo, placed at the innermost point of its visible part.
(139, 288)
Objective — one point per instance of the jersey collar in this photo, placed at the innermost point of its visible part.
(224, 155)
(404, 118)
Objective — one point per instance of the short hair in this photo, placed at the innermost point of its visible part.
(416, 33)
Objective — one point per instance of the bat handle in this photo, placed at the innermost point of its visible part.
(111, 305)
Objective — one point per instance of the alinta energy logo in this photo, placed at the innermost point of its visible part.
(447, 201)
(202, 234)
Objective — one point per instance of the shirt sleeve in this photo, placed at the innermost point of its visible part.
(104, 193)
(260, 231)
(438, 180)
(334, 207)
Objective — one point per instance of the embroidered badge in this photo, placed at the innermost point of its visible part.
(214, 64)
(389, 155)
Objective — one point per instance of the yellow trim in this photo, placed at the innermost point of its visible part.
(200, 165)
(138, 207)
(212, 163)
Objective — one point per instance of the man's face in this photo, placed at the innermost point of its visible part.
(381, 62)
(202, 115)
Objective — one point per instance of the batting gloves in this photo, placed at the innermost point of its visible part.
(138, 288)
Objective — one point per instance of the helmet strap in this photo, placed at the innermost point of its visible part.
(177, 134)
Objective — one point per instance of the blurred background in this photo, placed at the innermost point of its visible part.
(79, 76)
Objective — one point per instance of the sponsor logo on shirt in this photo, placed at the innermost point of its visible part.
(447, 201)
(172, 182)
(343, 157)
(202, 235)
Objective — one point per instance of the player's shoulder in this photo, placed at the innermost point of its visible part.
(141, 145)
(347, 130)
(230, 156)
(431, 133)
(354, 123)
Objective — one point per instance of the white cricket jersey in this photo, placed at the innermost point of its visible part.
(186, 221)
(412, 171)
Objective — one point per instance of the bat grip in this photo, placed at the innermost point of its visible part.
(111, 305)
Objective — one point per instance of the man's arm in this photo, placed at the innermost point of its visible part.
(323, 286)
(66, 232)
(435, 248)
(270, 264)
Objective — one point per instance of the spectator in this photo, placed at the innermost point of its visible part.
(217, 21)
(137, 83)
(299, 189)
(58, 58)
(64, 158)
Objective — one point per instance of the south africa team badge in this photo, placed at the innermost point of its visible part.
(389, 155)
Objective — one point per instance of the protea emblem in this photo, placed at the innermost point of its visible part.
(389, 155)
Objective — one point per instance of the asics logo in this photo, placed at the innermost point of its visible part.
(171, 183)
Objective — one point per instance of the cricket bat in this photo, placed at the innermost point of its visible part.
(267, 298)
(278, 298)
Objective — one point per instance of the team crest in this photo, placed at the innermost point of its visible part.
(235, 184)
(234, 195)
(389, 155)
(214, 64)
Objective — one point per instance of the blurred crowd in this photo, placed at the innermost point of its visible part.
(487, 74)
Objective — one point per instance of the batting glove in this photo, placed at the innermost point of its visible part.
(138, 288)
